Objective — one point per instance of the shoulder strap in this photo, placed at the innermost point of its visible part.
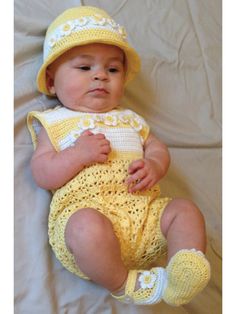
(36, 120)
(139, 124)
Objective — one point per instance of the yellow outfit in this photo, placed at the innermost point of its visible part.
(135, 217)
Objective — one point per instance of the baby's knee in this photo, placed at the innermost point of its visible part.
(181, 210)
(190, 211)
(87, 225)
(183, 207)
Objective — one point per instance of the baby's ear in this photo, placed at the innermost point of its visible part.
(50, 82)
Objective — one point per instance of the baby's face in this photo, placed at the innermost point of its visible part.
(88, 78)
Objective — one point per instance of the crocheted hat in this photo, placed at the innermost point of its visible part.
(80, 26)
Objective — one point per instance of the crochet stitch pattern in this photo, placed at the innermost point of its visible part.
(188, 272)
(84, 23)
(135, 217)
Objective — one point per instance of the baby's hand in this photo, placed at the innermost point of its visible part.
(92, 148)
(143, 175)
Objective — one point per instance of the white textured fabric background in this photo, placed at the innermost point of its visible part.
(179, 94)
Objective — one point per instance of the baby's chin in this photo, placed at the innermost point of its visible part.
(92, 108)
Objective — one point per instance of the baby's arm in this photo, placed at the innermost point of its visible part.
(146, 172)
(52, 169)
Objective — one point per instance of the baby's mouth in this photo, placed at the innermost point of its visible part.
(99, 91)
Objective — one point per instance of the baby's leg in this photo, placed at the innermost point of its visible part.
(91, 239)
(183, 226)
(188, 271)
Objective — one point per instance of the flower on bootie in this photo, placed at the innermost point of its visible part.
(152, 284)
(188, 272)
(147, 279)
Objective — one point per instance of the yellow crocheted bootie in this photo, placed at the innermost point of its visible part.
(188, 272)
(152, 284)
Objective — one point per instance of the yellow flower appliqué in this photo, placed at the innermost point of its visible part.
(52, 42)
(86, 123)
(136, 124)
(66, 28)
(110, 120)
(124, 117)
(98, 19)
(147, 280)
(82, 21)
(122, 32)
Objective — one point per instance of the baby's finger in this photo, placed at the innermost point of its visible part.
(106, 149)
(135, 165)
(104, 142)
(100, 136)
(141, 185)
(87, 132)
(102, 158)
(150, 185)
(137, 176)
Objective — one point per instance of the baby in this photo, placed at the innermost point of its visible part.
(107, 221)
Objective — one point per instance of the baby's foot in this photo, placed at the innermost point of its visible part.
(188, 272)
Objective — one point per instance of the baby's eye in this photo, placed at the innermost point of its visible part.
(84, 68)
(113, 70)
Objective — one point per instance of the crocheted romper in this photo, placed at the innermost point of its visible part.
(135, 217)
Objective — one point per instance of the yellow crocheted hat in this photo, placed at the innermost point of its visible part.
(80, 26)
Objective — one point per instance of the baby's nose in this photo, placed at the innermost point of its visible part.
(101, 75)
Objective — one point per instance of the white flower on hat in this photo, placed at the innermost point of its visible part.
(112, 23)
(52, 41)
(98, 19)
(122, 32)
(82, 21)
(66, 28)
(147, 280)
